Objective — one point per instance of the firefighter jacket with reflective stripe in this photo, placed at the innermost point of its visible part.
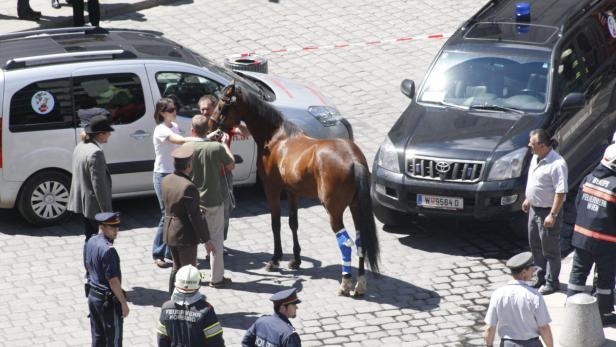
(595, 225)
(189, 326)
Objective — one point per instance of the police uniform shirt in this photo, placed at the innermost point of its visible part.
(546, 177)
(512, 308)
(271, 331)
(102, 262)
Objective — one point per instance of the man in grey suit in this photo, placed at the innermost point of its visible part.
(91, 183)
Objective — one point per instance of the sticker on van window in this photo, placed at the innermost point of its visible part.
(42, 102)
(611, 25)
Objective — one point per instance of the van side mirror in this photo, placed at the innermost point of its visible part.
(573, 102)
(407, 87)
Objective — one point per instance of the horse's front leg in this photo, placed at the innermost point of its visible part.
(273, 199)
(293, 224)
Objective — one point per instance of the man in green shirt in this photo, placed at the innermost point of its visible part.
(208, 160)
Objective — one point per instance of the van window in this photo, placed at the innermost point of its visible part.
(42, 105)
(186, 89)
(119, 95)
(571, 70)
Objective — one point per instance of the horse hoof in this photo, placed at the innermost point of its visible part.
(294, 264)
(345, 287)
(360, 287)
(272, 266)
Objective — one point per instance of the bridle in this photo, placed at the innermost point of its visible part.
(223, 114)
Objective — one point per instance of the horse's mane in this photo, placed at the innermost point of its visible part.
(266, 112)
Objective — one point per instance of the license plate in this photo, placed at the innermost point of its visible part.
(441, 202)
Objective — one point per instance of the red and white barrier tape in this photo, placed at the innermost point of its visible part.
(345, 45)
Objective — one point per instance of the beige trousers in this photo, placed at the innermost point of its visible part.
(215, 217)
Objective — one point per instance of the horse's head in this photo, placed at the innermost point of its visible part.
(226, 114)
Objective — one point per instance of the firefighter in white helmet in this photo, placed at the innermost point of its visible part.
(188, 319)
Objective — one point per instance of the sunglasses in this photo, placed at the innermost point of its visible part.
(170, 110)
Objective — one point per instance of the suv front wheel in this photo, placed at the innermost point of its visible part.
(44, 198)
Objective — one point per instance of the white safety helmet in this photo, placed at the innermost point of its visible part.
(609, 157)
(188, 279)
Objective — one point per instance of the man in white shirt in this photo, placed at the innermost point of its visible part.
(517, 311)
(546, 190)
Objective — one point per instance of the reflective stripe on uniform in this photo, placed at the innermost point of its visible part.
(212, 330)
(594, 234)
(576, 287)
(162, 329)
(604, 291)
(599, 192)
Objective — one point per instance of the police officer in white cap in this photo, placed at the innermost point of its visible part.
(188, 320)
(517, 310)
(594, 234)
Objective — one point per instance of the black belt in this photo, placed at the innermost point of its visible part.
(540, 208)
(99, 294)
(522, 341)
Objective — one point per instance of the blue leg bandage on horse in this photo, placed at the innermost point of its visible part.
(345, 243)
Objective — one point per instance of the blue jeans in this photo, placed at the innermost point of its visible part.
(159, 248)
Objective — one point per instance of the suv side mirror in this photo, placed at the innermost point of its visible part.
(573, 102)
(407, 87)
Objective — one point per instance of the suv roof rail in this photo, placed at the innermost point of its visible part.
(69, 30)
(582, 11)
(47, 59)
(481, 11)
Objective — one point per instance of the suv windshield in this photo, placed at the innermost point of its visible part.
(494, 81)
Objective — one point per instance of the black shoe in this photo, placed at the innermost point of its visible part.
(538, 283)
(549, 288)
(55, 4)
(608, 319)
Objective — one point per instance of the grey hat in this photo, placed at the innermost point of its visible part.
(520, 261)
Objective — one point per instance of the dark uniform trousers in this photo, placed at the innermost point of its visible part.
(182, 255)
(94, 12)
(594, 236)
(105, 320)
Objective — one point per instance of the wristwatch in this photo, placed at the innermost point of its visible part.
(554, 215)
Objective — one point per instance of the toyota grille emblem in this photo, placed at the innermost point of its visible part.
(442, 167)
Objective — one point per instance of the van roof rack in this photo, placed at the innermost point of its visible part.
(582, 11)
(56, 31)
(47, 59)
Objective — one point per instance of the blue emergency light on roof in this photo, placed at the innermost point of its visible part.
(522, 12)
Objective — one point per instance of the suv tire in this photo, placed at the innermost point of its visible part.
(255, 63)
(44, 198)
(390, 217)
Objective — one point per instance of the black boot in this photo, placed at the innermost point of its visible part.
(55, 4)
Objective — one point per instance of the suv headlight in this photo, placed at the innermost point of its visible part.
(387, 158)
(328, 116)
(508, 166)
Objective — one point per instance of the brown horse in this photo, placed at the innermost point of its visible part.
(335, 171)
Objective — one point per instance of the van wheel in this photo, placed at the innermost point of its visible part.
(44, 198)
(390, 217)
(256, 63)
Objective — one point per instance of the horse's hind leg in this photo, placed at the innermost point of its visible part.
(344, 243)
(361, 285)
(293, 224)
(273, 199)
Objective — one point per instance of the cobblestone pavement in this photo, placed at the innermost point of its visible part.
(436, 275)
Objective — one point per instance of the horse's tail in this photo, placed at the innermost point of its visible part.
(367, 227)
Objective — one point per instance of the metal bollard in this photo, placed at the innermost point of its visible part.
(582, 325)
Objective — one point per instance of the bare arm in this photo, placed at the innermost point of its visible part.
(559, 199)
(546, 335)
(177, 139)
(489, 334)
(116, 288)
(229, 167)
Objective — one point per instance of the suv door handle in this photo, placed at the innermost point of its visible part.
(140, 135)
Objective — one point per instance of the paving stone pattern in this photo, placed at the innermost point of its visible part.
(437, 275)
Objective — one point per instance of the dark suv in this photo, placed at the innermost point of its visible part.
(460, 148)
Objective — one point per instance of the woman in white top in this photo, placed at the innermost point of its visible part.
(166, 138)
